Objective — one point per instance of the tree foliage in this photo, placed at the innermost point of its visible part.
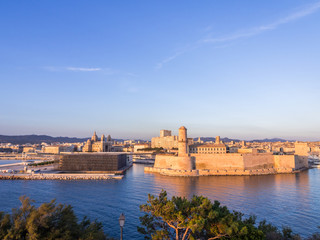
(48, 221)
(199, 218)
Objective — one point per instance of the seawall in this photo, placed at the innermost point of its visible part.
(206, 172)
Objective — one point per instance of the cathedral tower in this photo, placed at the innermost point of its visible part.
(94, 137)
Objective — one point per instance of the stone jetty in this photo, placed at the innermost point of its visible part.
(59, 176)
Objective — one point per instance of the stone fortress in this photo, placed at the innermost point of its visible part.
(215, 159)
(96, 145)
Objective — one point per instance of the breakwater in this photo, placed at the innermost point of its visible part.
(59, 176)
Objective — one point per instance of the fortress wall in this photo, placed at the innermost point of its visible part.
(230, 161)
(174, 162)
(301, 162)
(164, 161)
(258, 161)
(291, 161)
(286, 161)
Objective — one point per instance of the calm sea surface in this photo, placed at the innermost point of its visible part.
(3, 162)
(286, 199)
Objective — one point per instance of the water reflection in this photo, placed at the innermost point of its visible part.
(223, 187)
(283, 199)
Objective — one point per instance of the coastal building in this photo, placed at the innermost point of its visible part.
(140, 146)
(29, 149)
(214, 148)
(98, 145)
(57, 149)
(93, 162)
(117, 148)
(209, 148)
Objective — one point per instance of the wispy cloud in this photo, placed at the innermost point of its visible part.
(271, 26)
(102, 71)
(177, 54)
(169, 59)
(82, 69)
(307, 10)
(73, 69)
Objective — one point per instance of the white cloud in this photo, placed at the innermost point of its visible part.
(307, 10)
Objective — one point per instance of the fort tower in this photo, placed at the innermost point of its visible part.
(183, 142)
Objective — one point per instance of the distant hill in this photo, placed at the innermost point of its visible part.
(207, 139)
(272, 140)
(36, 139)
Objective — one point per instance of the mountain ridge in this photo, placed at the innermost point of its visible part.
(37, 139)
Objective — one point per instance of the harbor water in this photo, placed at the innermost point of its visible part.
(284, 200)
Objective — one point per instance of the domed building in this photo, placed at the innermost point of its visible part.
(96, 145)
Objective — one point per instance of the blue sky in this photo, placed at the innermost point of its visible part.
(238, 69)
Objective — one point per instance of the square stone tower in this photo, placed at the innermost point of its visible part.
(165, 133)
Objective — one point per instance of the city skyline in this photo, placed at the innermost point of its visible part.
(244, 70)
